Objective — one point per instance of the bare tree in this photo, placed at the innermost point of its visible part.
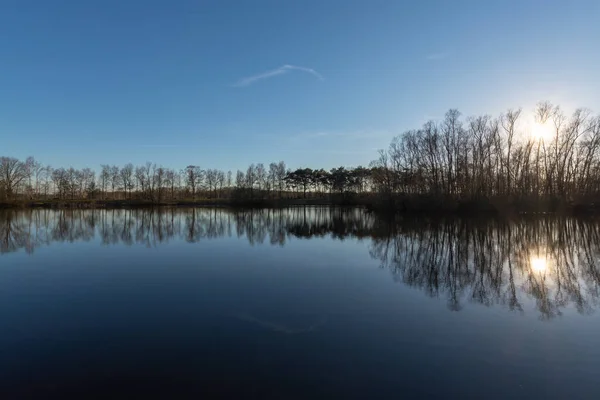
(61, 182)
(280, 177)
(251, 179)
(39, 174)
(272, 176)
(78, 183)
(47, 176)
(220, 181)
(261, 176)
(229, 179)
(240, 179)
(30, 166)
(12, 173)
(509, 123)
(159, 179)
(140, 177)
(193, 179)
(171, 182)
(127, 178)
(115, 180)
(211, 179)
(105, 175)
(88, 182)
(150, 179)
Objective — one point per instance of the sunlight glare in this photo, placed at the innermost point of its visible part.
(542, 131)
(538, 264)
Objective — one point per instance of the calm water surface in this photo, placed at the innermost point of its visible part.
(297, 303)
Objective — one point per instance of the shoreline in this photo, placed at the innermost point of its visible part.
(115, 204)
(400, 206)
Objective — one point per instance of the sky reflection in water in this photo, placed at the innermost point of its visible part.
(301, 302)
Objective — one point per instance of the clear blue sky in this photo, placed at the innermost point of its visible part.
(203, 82)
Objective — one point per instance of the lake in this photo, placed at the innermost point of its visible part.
(297, 303)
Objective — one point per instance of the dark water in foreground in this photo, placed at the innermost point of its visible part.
(299, 303)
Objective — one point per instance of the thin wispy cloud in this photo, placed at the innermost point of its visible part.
(437, 56)
(346, 135)
(162, 145)
(285, 69)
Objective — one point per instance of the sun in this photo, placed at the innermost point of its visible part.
(542, 131)
(538, 264)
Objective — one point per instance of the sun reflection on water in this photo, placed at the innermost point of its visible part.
(538, 264)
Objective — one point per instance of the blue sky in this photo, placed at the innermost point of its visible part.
(223, 84)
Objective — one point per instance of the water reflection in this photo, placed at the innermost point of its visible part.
(499, 262)
(551, 261)
(538, 264)
(33, 228)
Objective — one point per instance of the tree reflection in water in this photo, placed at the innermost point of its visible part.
(553, 261)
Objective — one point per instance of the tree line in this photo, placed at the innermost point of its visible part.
(484, 157)
(30, 180)
(454, 159)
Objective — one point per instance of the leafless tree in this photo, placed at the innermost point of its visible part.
(211, 180)
(251, 179)
(105, 175)
(115, 180)
(88, 181)
(12, 173)
(29, 166)
(159, 181)
(61, 182)
(220, 181)
(280, 174)
(261, 176)
(171, 182)
(240, 179)
(193, 179)
(140, 178)
(272, 176)
(39, 174)
(127, 178)
(509, 124)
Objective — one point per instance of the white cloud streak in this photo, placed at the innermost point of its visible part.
(358, 135)
(161, 145)
(437, 56)
(275, 72)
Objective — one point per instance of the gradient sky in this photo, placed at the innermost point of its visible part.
(223, 84)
